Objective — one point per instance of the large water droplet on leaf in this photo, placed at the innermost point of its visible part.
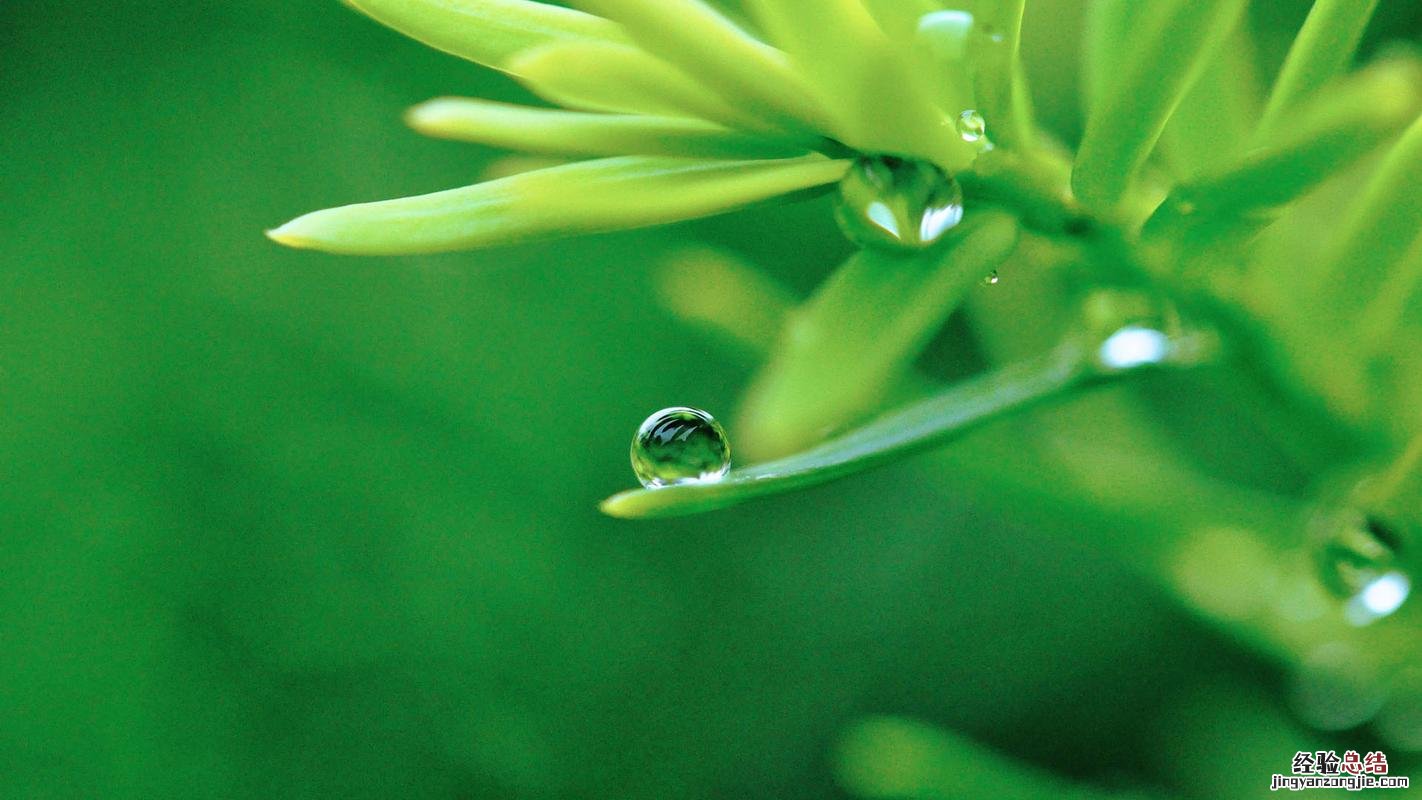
(898, 204)
(680, 445)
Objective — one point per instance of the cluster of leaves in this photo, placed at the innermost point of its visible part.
(1181, 168)
(1283, 218)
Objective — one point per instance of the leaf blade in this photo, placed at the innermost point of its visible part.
(585, 197)
(602, 76)
(708, 45)
(871, 319)
(575, 133)
(951, 413)
(1324, 46)
(1324, 137)
(487, 32)
(1168, 49)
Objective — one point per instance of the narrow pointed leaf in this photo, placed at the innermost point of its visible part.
(949, 414)
(708, 45)
(539, 130)
(878, 102)
(998, 75)
(586, 197)
(488, 32)
(869, 320)
(596, 76)
(1106, 38)
(1380, 228)
(1215, 121)
(1323, 137)
(1323, 49)
(1169, 44)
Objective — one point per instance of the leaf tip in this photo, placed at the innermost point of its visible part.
(620, 505)
(289, 235)
(430, 117)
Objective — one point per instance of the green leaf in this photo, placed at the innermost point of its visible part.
(900, 18)
(1322, 50)
(597, 76)
(706, 44)
(1167, 47)
(1379, 229)
(487, 32)
(878, 101)
(538, 130)
(1324, 137)
(1105, 40)
(870, 319)
(1216, 120)
(586, 197)
(951, 413)
(998, 75)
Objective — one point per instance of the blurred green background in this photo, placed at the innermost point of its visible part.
(279, 524)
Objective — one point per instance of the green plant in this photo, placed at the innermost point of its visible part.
(1264, 243)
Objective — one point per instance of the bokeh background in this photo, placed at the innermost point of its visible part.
(280, 524)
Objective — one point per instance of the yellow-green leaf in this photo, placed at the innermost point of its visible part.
(540, 130)
(488, 32)
(708, 45)
(586, 197)
(869, 320)
(597, 76)
(950, 413)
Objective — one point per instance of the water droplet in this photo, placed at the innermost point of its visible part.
(898, 204)
(680, 445)
(992, 279)
(1357, 562)
(1133, 346)
(971, 126)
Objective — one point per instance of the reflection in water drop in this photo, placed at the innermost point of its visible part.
(971, 126)
(898, 204)
(1357, 562)
(680, 445)
(1379, 598)
(992, 279)
(1133, 346)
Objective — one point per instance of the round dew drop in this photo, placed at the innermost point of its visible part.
(680, 445)
(972, 127)
(992, 278)
(899, 204)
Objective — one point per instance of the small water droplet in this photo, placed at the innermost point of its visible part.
(971, 126)
(992, 279)
(898, 204)
(1357, 562)
(680, 445)
(1133, 346)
